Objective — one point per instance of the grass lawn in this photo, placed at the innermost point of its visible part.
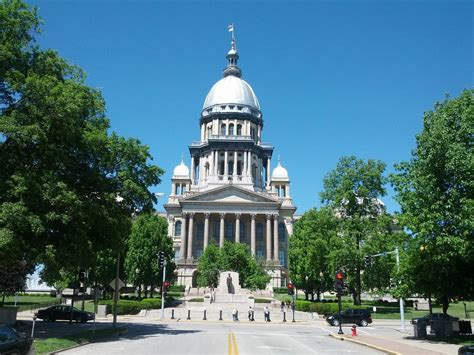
(44, 346)
(26, 302)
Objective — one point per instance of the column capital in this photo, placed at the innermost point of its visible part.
(171, 218)
(222, 215)
(237, 215)
(253, 216)
(184, 214)
(269, 216)
(191, 214)
(275, 216)
(207, 215)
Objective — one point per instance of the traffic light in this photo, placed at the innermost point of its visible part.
(368, 261)
(161, 258)
(166, 284)
(339, 284)
(291, 289)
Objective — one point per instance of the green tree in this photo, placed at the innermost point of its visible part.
(148, 237)
(435, 192)
(309, 251)
(352, 191)
(62, 171)
(231, 257)
(12, 278)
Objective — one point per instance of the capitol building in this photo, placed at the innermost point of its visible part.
(229, 191)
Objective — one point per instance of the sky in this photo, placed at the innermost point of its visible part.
(333, 78)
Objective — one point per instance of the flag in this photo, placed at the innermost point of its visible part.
(230, 28)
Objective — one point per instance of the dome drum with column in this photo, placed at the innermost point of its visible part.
(229, 193)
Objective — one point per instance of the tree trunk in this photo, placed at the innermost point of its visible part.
(430, 304)
(318, 296)
(306, 295)
(145, 290)
(312, 296)
(151, 291)
(445, 303)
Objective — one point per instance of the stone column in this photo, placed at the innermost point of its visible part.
(211, 164)
(192, 170)
(182, 250)
(190, 236)
(269, 237)
(252, 233)
(221, 231)
(275, 238)
(216, 162)
(226, 167)
(237, 227)
(249, 163)
(206, 230)
(171, 227)
(235, 164)
(268, 171)
(244, 169)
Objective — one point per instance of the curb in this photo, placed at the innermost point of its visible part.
(365, 344)
(125, 331)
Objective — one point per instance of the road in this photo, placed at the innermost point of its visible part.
(224, 338)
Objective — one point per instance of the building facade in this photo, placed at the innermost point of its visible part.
(228, 193)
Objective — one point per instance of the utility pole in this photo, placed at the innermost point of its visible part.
(116, 292)
(397, 258)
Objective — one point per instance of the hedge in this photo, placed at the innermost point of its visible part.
(324, 308)
(130, 306)
(262, 300)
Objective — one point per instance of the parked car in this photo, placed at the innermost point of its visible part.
(12, 342)
(54, 313)
(433, 317)
(360, 317)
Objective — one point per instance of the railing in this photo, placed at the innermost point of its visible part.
(232, 137)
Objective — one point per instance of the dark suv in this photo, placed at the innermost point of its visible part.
(360, 317)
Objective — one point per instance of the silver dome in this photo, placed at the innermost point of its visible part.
(231, 90)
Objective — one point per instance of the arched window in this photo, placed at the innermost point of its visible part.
(221, 168)
(281, 232)
(230, 167)
(252, 133)
(183, 189)
(177, 189)
(223, 129)
(209, 132)
(231, 129)
(239, 129)
(177, 228)
(283, 191)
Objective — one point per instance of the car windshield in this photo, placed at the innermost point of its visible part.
(7, 333)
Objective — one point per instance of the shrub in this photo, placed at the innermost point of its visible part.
(262, 300)
(150, 303)
(132, 306)
(176, 288)
(199, 299)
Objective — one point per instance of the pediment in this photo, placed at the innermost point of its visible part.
(230, 194)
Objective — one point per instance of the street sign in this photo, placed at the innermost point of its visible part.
(120, 284)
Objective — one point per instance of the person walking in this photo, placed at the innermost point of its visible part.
(234, 314)
(266, 313)
(250, 314)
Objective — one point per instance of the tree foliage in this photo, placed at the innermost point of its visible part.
(148, 237)
(435, 192)
(231, 257)
(309, 249)
(62, 171)
(352, 191)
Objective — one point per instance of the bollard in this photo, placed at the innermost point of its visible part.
(189, 315)
(284, 316)
(172, 314)
(220, 314)
(33, 328)
(253, 319)
(204, 318)
(354, 330)
(237, 316)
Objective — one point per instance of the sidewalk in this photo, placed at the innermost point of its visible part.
(399, 343)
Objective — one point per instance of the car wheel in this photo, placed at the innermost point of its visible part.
(364, 323)
(78, 320)
(335, 322)
(84, 320)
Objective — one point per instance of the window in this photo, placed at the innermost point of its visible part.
(200, 230)
(281, 232)
(229, 230)
(217, 229)
(221, 168)
(223, 129)
(252, 132)
(243, 234)
(259, 231)
(231, 129)
(177, 228)
(230, 167)
(183, 189)
(177, 190)
(239, 129)
(282, 258)
(239, 168)
(283, 191)
(259, 253)
(176, 253)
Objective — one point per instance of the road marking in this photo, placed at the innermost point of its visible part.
(272, 347)
(232, 344)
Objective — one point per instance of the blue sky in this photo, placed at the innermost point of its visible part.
(333, 78)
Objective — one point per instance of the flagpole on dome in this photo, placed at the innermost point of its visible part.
(231, 29)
